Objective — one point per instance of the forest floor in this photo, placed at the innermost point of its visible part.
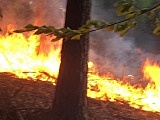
(22, 99)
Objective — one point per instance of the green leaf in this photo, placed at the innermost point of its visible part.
(158, 7)
(76, 37)
(157, 20)
(123, 32)
(30, 26)
(95, 23)
(64, 30)
(133, 24)
(151, 15)
(117, 28)
(118, 3)
(125, 8)
(157, 31)
(86, 26)
(144, 10)
(51, 28)
(19, 31)
(42, 30)
(110, 28)
(56, 39)
(131, 15)
(90, 22)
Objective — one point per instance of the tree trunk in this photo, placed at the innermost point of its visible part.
(71, 88)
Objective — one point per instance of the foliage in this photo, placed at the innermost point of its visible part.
(157, 29)
(124, 8)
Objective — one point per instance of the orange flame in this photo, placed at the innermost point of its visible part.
(107, 88)
(19, 55)
(24, 56)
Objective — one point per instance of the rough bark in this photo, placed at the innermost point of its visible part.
(71, 89)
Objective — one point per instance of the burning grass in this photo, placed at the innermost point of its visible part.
(35, 58)
(24, 101)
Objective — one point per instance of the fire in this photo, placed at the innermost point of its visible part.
(19, 55)
(145, 98)
(35, 57)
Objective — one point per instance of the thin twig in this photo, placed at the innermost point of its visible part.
(125, 19)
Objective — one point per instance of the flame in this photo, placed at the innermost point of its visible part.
(19, 55)
(144, 98)
(35, 57)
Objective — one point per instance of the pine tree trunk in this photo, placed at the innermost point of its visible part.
(71, 89)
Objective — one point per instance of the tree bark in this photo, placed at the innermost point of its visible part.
(71, 88)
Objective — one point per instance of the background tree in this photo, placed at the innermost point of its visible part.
(71, 88)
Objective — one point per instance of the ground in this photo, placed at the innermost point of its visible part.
(22, 99)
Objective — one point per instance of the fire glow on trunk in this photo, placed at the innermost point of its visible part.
(24, 56)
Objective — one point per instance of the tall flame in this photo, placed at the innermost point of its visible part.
(30, 56)
(19, 54)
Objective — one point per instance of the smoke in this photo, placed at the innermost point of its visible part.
(37, 12)
(109, 52)
(40, 12)
(121, 56)
(118, 55)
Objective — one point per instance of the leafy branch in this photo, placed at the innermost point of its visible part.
(124, 8)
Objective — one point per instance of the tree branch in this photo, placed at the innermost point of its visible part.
(122, 21)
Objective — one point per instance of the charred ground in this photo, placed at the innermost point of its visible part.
(22, 99)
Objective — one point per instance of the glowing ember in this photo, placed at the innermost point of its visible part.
(35, 57)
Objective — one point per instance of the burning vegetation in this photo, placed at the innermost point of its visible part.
(26, 57)
(35, 58)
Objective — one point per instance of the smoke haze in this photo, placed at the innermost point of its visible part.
(23, 12)
(119, 55)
